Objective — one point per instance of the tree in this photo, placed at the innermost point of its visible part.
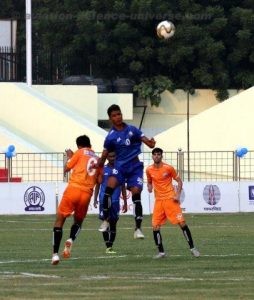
(152, 88)
(212, 47)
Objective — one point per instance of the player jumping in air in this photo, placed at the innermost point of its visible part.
(125, 140)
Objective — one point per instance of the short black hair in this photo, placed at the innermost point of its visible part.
(83, 141)
(113, 107)
(157, 150)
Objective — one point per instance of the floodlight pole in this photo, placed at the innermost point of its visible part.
(188, 133)
(29, 42)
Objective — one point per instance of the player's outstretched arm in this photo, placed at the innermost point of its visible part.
(149, 142)
(69, 153)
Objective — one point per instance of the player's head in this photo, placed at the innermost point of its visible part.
(115, 115)
(111, 157)
(157, 155)
(157, 150)
(113, 108)
(83, 141)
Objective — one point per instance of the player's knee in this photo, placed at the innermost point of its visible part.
(182, 225)
(156, 228)
(109, 191)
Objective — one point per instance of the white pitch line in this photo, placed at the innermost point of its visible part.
(119, 256)
(39, 275)
(49, 259)
(25, 274)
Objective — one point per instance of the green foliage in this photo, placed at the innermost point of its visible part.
(222, 95)
(212, 48)
(151, 88)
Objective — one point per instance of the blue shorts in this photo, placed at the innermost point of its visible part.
(133, 174)
(130, 174)
(113, 211)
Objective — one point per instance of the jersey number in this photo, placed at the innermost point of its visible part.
(90, 166)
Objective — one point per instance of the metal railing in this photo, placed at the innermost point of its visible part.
(28, 167)
(202, 166)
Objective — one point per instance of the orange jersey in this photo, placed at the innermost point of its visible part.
(82, 176)
(161, 179)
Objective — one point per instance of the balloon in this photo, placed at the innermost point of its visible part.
(9, 154)
(244, 150)
(240, 152)
(11, 148)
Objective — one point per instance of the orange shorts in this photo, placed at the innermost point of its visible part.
(167, 210)
(74, 200)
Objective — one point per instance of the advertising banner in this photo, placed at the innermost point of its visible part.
(28, 198)
(208, 197)
(246, 194)
(196, 197)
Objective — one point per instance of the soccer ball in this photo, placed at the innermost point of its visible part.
(165, 30)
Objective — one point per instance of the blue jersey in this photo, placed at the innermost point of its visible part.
(126, 143)
(109, 171)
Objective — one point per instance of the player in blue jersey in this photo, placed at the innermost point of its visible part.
(114, 210)
(125, 140)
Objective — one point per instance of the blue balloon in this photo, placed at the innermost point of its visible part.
(11, 148)
(240, 152)
(244, 150)
(9, 154)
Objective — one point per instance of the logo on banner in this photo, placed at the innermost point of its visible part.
(34, 199)
(251, 194)
(212, 195)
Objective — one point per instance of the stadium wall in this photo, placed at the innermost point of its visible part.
(223, 127)
(48, 118)
(81, 100)
(173, 109)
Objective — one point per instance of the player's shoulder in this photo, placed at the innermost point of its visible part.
(110, 133)
(150, 168)
(132, 128)
(167, 166)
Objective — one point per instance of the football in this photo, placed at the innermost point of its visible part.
(165, 30)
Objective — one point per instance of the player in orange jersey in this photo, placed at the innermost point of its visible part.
(77, 195)
(167, 200)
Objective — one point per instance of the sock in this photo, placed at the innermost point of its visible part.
(158, 240)
(112, 232)
(75, 229)
(187, 235)
(138, 210)
(110, 235)
(57, 237)
(106, 239)
(107, 202)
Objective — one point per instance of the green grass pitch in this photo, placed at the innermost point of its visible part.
(225, 269)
